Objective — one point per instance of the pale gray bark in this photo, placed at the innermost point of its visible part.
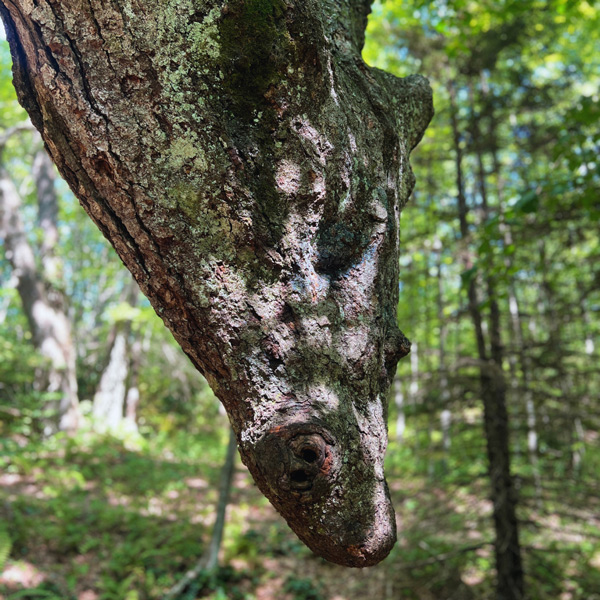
(132, 398)
(414, 374)
(43, 303)
(113, 399)
(249, 169)
(108, 408)
(43, 175)
(400, 409)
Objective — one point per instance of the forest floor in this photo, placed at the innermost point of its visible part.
(98, 518)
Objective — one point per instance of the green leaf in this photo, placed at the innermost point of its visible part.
(468, 276)
(5, 545)
(528, 203)
(36, 593)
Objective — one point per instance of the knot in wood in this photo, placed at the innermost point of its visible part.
(298, 461)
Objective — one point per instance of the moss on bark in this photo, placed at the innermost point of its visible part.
(250, 170)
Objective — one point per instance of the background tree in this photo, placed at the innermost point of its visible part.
(126, 516)
(496, 83)
(44, 302)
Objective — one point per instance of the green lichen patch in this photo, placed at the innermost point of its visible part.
(187, 150)
(204, 38)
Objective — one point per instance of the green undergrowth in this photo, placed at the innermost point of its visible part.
(123, 519)
(115, 512)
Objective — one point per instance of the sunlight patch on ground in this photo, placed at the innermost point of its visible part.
(21, 573)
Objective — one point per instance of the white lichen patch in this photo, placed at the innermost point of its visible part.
(323, 398)
(371, 421)
(288, 177)
(353, 342)
(43, 15)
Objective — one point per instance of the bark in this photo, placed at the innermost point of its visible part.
(520, 352)
(249, 169)
(43, 302)
(401, 414)
(212, 557)
(132, 398)
(111, 399)
(43, 176)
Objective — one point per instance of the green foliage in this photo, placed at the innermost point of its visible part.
(97, 498)
(517, 94)
(517, 89)
(43, 591)
(302, 589)
(5, 545)
(223, 584)
(11, 111)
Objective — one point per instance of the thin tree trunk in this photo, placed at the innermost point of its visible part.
(517, 334)
(132, 398)
(445, 412)
(43, 303)
(507, 547)
(400, 410)
(414, 374)
(212, 557)
(108, 409)
(210, 560)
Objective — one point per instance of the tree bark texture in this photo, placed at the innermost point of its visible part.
(249, 169)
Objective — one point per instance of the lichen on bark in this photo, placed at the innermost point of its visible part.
(250, 170)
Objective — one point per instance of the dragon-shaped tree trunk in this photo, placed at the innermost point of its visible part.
(249, 169)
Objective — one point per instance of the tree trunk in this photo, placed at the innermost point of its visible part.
(507, 544)
(43, 302)
(110, 399)
(493, 392)
(400, 410)
(132, 398)
(445, 413)
(210, 560)
(249, 169)
(108, 407)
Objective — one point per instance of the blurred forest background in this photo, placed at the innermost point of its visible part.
(500, 279)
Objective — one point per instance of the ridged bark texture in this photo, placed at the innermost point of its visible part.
(249, 169)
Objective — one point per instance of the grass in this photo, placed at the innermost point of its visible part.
(100, 518)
